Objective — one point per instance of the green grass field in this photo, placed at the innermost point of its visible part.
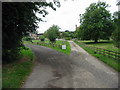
(113, 63)
(15, 73)
(106, 44)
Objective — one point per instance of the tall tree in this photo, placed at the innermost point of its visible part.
(116, 33)
(18, 19)
(96, 22)
(52, 33)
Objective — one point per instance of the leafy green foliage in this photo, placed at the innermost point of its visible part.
(68, 38)
(42, 38)
(96, 23)
(116, 33)
(67, 34)
(27, 39)
(18, 20)
(14, 74)
(52, 33)
(116, 37)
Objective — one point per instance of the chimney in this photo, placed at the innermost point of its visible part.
(76, 27)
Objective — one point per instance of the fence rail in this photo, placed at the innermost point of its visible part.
(109, 53)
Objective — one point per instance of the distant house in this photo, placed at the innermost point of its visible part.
(40, 34)
(33, 36)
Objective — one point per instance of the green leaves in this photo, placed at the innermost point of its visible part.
(52, 33)
(19, 19)
(116, 33)
(42, 38)
(95, 22)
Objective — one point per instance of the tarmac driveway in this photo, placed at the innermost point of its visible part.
(54, 69)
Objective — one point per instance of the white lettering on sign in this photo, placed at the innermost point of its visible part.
(63, 46)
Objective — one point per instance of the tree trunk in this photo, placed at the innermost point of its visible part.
(96, 40)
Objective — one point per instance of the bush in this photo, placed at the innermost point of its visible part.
(27, 38)
(52, 33)
(116, 38)
(10, 55)
(116, 33)
(42, 38)
(68, 38)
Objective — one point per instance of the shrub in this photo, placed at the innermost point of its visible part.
(52, 33)
(116, 33)
(28, 38)
(68, 38)
(42, 38)
(116, 38)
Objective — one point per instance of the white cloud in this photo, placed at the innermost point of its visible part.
(67, 16)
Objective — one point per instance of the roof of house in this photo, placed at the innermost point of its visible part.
(40, 34)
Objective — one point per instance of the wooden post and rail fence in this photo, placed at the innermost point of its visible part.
(109, 53)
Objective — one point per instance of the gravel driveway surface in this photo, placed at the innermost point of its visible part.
(54, 69)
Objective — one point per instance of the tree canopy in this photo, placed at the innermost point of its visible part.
(116, 33)
(52, 33)
(18, 20)
(96, 22)
(42, 38)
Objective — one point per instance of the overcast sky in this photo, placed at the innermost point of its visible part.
(67, 16)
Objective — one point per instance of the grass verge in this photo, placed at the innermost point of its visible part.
(106, 44)
(58, 42)
(113, 63)
(66, 51)
(14, 74)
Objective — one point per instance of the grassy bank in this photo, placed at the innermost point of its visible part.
(66, 51)
(58, 42)
(106, 44)
(15, 73)
(113, 63)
